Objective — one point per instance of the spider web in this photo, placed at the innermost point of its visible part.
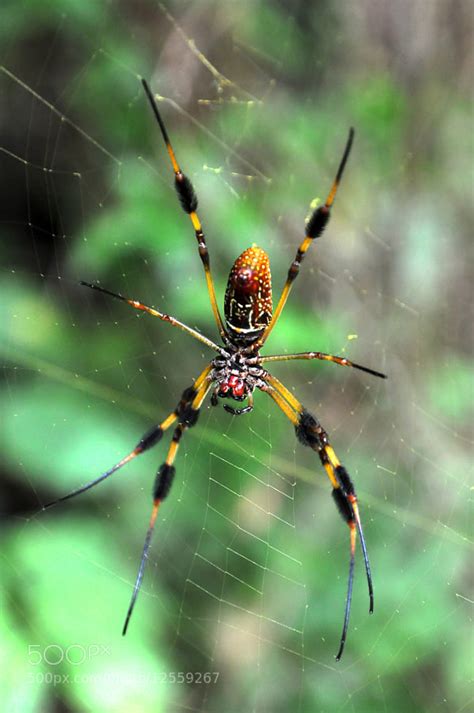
(247, 574)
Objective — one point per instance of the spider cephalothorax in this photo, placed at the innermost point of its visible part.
(237, 369)
(236, 377)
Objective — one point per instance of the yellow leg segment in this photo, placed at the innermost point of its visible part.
(314, 229)
(156, 313)
(165, 475)
(342, 361)
(310, 433)
(188, 201)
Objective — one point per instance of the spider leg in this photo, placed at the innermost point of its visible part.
(155, 313)
(314, 228)
(317, 355)
(164, 479)
(147, 441)
(189, 203)
(240, 411)
(310, 433)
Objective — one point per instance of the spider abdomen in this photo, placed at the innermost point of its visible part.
(248, 303)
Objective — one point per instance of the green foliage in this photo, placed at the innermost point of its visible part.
(247, 572)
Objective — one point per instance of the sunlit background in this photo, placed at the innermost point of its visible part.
(243, 597)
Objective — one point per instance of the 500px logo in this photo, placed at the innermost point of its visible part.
(74, 654)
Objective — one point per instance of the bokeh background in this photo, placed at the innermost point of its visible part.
(247, 574)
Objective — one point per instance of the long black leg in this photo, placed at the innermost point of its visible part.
(148, 440)
(310, 433)
(314, 228)
(164, 479)
(189, 203)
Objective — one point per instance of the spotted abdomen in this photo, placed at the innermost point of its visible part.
(248, 299)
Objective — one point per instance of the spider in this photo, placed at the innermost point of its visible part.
(238, 369)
